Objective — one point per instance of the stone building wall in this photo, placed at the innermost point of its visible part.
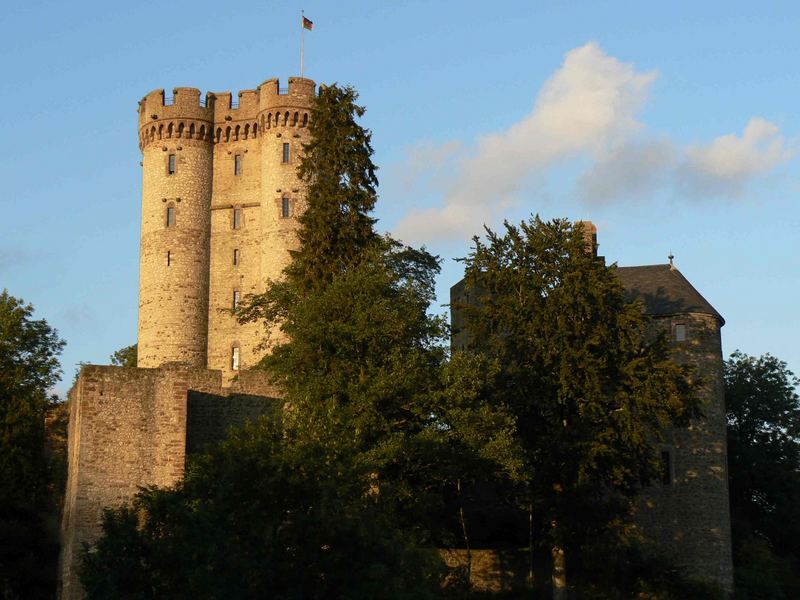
(688, 519)
(129, 428)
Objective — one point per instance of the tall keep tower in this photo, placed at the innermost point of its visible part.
(220, 197)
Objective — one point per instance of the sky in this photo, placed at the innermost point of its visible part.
(672, 126)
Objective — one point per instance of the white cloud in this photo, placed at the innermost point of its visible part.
(631, 170)
(587, 109)
(587, 104)
(729, 162)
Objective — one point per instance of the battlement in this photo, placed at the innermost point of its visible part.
(185, 103)
(298, 94)
(218, 118)
(183, 115)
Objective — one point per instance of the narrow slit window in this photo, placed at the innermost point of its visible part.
(237, 164)
(169, 258)
(171, 164)
(286, 152)
(285, 208)
(170, 216)
(680, 332)
(235, 358)
(666, 467)
(237, 218)
(235, 257)
(236, 298)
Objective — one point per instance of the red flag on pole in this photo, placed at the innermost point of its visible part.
(308, 24)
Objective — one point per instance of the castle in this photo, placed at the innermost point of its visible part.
(220, 195)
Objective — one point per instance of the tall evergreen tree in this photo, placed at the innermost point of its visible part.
(336, 227)
(590, 393)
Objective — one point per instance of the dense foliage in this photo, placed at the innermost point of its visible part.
(258, 517)
(341, 496)
(125, 357)
(590, 392)
(384, 439)
(29, 350)
(763, 411)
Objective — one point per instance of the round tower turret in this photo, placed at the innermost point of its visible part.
(284, 115)
(175, 136)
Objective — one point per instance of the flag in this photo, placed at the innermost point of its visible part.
(307, 24)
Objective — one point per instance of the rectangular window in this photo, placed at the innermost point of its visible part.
(235, 257)
(237, 164)
(170, 216)
(286, 152)
(171, 164)
(236, 298)
(666, 467)
(235, 358)
(285, 208)
(169, 258)
(680, 332)
(237, 218)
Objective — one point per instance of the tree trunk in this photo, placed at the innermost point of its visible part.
(559, 573)
(466, 537)
(530, 545)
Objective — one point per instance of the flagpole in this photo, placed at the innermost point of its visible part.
(302, 42)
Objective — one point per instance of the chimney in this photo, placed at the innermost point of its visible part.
(590, 235)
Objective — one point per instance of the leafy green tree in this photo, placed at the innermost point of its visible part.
(125, 357)
(361, 358)
(763, 410)
(258, 517)
(590, 392)
(335, 502)
(29, 350)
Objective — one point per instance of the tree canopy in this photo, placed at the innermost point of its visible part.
(763, 411)
(590, 391)
(125, 357)
(29, 367)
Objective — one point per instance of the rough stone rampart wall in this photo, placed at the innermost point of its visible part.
(128, 428)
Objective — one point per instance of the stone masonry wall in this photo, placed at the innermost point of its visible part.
(128, 428)
(232, 192)
(187, 273)
(688, 520)
(174, 257)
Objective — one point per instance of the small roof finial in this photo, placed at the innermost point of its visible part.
(670, 257)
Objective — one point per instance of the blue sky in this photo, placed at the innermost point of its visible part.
(674, 127)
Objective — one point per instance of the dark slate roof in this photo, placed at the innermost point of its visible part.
(664, 291)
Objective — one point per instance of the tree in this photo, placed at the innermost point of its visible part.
(125, 357)
(763, 411)
(257, 517)
(29, 350)
(361, 358)
(590, 392)
(335, 229)
(343, 490)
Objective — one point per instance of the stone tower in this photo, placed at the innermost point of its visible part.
(220, 195)
(177, 152)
